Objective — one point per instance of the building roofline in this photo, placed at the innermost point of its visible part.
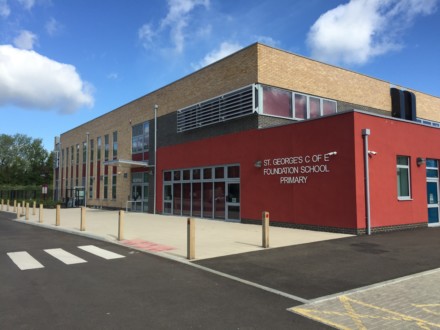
(255, 44)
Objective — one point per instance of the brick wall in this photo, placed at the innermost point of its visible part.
(254, 64)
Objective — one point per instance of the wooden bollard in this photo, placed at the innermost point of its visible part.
(191, 239)
(7, 205)
(265, 222)
(57, 215)
(15, 205)
(83, 219)
(40, 217)
(2, 205)
(18, 211)
(33, 209)
(27, 211)
(121, 225)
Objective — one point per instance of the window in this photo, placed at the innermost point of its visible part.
(140, 138)
(106, 147)
(77, 154)
(105, 186)
(84, 152)
(115, 145)
(92, 151)
(277, 102)
(99, 145)
(403, 178)
(91, 182)
(62, 157)
(114, 186)
(72, 156)
(287, 104)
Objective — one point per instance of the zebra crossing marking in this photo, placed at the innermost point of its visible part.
(64, 256)
(100, 252)
(24, 260)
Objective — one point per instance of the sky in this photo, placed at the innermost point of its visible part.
(66, 62)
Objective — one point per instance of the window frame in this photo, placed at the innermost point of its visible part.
(399, 168)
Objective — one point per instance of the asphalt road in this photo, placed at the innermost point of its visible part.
(139, 291)
(319, 269)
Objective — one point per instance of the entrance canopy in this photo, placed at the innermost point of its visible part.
(127, 163)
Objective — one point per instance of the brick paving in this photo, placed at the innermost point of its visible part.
(410, 303)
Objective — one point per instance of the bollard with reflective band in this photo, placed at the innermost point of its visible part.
(27, 211)
(57, 216)
(265, 223)
(121, 225)
(40, 218)
(83, 219)
(191, 250)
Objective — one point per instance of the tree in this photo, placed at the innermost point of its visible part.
(24, 161)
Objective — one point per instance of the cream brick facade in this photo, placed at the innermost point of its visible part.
(255, 64)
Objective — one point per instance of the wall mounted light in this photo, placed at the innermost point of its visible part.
(372, 153)
(332, 153)
(258, 164)
(420, 161)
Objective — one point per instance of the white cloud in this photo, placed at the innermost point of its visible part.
(355, 32)
(225, 49)
(27, 4)
(52, 26)
(30, 80)
(146, 35)
(176, 21)
(25, 40)
(5, 10)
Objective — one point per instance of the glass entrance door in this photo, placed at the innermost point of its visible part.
(139, 192)
(233, 201)
(167, 198)
(432, 191)
(433, 205)
(136, 198)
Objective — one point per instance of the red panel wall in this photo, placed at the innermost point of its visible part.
(325, 199)
(390, 138)
(335, 198)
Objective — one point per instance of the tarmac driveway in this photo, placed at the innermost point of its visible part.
(323, 268)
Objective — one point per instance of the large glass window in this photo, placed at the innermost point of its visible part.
(98, 148)
(277, 102)
(92, 151)
(106, 146)
(300, 106)
(287, 104)
(84, 152)
(105, 186)
(114, 186)
(140, 138)
(315, 107)
(403, 178)
(115, 145)
(77, 154)
(211, 192)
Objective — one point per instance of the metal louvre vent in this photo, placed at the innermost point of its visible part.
(229, 106)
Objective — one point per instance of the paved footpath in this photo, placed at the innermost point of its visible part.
(167, 235)
(408, 303)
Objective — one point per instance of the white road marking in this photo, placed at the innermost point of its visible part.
(24, 260)
(100, 252)
(64, 256)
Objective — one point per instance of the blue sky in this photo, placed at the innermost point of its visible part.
(65, 62)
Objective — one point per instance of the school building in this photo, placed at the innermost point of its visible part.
(318, 146)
